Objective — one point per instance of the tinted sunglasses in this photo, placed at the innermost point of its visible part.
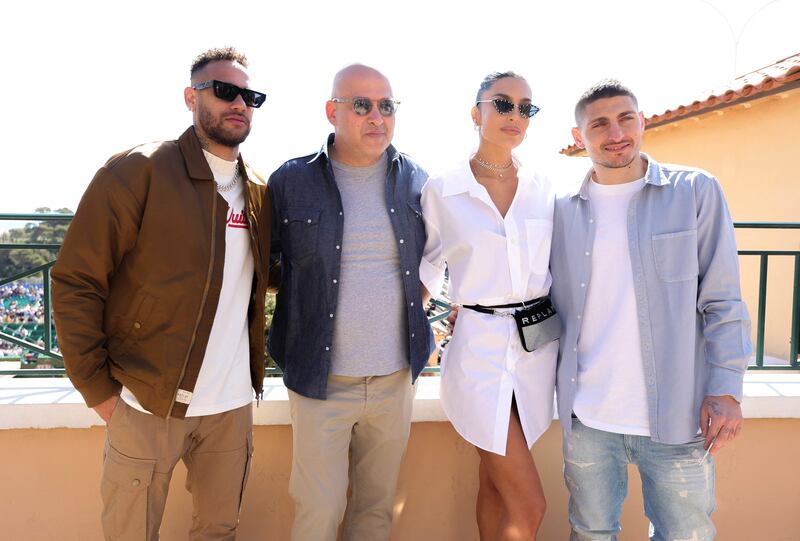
(505, 106)
(362, 106)
(228, 92)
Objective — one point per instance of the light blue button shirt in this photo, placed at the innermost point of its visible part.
(694, 327)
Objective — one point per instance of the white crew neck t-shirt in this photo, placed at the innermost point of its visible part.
(611, 394)
(223, 383)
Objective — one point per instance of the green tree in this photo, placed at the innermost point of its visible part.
(16, 260)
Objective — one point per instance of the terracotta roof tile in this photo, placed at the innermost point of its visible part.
(770, 78)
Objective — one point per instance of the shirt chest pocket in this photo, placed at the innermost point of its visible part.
(300, 230)
(676, 256)
(540, 235)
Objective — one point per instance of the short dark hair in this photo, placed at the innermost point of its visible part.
(492, 78)
(215, 55)
(607, 88)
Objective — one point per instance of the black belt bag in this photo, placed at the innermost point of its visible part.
(537, 321)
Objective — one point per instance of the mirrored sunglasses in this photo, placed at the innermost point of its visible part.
(228, 92)
(362, 106)
(505, 106)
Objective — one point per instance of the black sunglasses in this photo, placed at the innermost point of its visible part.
(362, 106)
(505, 106)
(228, 92)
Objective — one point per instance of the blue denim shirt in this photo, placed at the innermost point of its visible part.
(308, 225)
(694, 327)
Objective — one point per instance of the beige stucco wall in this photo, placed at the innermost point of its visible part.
(50, 482)
(752, 148)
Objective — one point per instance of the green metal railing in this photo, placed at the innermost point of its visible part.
(48, 348)
(764, 256)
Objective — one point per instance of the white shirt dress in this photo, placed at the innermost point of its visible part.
(491, 260)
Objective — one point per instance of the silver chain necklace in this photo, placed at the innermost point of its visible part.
(499, 169)
(232, 184)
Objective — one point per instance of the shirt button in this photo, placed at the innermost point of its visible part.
(340, 213)
(309, 220)
(335, 281)
(391, 210)
(585, 253)
(591, 220)
(330, 315)
(579, 316)
(338, 247)
(412, 335)
(327, 348)
(583, 285)
(572, 380)
(401, 241)
(574, 349)
(286, 220)
(137, 325)
(408, 272)
(136, 482)
(412, 303)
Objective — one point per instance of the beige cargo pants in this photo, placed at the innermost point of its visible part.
(140, 453)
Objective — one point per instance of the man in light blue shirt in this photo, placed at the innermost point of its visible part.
(657, 338)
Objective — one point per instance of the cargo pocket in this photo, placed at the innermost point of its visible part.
(676, 256)
(124, 490)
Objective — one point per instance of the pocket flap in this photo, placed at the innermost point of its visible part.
(128, 473)
(299, 214)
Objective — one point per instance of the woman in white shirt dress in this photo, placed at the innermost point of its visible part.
(489, 221)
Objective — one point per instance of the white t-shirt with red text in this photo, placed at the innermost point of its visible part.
(224, 381)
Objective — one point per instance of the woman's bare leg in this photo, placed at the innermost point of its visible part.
(513, 487)
(489, 508)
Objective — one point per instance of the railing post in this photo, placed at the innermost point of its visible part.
(48, 338)
(762, 310)
(793, 345)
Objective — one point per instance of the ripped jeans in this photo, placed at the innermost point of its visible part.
(677, 485)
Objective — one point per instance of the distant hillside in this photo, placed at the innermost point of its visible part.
(16, 260)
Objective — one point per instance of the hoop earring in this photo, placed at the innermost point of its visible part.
(477, 127)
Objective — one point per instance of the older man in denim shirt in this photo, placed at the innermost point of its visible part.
(349, 330)
(657, 338)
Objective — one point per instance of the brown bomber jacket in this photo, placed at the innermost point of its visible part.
(138, 278)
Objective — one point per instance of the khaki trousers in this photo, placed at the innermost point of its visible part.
(357, 437)
(140, 453)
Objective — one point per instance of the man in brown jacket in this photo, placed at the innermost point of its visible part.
(158, 295)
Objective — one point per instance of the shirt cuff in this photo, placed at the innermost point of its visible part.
(723, 381)
(432, 277)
